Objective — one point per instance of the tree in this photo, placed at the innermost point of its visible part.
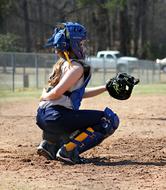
(131, 26)
(9, 42)
(144, 22)
(26, 25)
(5, 7)
(125, 28)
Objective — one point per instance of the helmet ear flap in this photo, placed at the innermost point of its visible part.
(77, 49)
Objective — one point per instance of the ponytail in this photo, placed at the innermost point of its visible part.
(55, 76)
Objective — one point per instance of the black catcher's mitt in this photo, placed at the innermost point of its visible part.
(121, 86)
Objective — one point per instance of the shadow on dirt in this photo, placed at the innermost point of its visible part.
(158, 118)
(106, 162)
(150, 118)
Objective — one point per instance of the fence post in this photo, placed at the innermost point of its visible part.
(159, 70)
(13, 71)
(37, 72)
(147, 73)
(25, 78)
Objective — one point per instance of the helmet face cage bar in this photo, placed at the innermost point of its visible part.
(68, 36)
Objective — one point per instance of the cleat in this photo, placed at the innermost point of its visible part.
(47, 150)
(70, 157)
(44, 153)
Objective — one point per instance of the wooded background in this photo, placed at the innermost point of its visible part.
(135, 27)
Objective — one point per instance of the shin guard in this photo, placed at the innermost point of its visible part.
(86, 140)
(92, 137)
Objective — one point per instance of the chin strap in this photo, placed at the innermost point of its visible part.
(67, 57)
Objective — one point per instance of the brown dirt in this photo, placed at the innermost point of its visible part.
(133, 158)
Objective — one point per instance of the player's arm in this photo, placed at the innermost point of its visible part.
(68, 80)
(94, 91)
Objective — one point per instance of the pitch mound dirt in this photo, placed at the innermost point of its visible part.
(133, 158)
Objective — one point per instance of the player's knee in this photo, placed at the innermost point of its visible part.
(109, 123)
(112, 117)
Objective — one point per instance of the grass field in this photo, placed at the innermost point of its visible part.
(35, 93)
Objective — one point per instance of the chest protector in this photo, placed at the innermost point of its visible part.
(77, 94)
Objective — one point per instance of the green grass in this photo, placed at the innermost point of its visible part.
(152, 89)
(19, 94)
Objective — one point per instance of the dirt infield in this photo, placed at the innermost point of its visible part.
(133, 158)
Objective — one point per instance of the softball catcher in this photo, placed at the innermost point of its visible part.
(67, 130)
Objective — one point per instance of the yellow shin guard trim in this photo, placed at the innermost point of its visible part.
(70, 146)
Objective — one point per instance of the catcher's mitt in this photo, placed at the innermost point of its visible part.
(121, 86)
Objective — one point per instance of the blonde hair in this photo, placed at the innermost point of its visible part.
(56, 70)
(56, 73)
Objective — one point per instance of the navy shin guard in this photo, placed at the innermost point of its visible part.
(94, 136)
(91, 139)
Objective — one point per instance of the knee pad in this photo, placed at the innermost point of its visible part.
(109, 123)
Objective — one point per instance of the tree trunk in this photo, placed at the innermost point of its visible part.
(137, 15)
(144, 8)
(41, 25)
(125, 35)
(26, 26)
(102, 28)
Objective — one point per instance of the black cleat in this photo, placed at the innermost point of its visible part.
(47, 150)
(70, 157)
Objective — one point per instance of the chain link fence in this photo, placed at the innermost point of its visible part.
(31, 70)
(24, 70)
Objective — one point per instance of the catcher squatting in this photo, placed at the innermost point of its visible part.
(67, 130)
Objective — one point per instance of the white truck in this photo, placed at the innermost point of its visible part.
(112, 60)
(162, 63)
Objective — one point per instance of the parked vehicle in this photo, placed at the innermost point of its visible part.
(162, 63)
(112, 60)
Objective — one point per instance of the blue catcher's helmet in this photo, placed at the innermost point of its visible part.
(68, 36)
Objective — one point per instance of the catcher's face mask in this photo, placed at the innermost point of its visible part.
(68, 36)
